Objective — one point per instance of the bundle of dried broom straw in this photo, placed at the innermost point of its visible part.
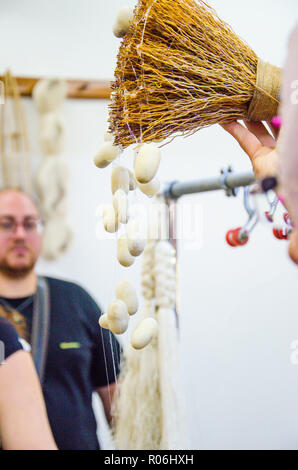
(180, 68)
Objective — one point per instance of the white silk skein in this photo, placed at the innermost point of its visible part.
(51, 133)
(57, 236)
(165, 275)
(51, 185)
(148, 282)
(49, 94)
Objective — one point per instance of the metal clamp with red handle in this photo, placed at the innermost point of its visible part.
(282, 233)
(237, 237)
(240, 236)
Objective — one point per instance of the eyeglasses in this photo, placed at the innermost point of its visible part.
(8, 226)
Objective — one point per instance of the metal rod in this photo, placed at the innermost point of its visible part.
(172, 205)
(230, 181)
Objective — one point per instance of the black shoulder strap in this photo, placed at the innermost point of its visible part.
(41, 325)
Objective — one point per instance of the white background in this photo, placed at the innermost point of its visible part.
(238, 308)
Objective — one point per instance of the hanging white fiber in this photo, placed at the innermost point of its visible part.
(51, 133)
(138, 414)
(51, 184)
(56, 237)
(49, 94)
(174, 434)
(138, 420)
(52, 176)
(149, 412)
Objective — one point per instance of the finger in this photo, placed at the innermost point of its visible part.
(247, 140)
(265, 163)
(293, 248)
(260, 131)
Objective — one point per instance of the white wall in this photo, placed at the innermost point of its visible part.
(238, 307)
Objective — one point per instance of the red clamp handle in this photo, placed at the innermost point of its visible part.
(269, 217)
(233, 237)
(280, 233)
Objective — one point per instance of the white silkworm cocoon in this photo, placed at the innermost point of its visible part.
(120, 179)
(49, 94)
(106, 154)
(147, 163)
(117, 317)
(108, 136)
(150, 189)
(120, 205)
(110, 220)
(132, 183)
(136, 241)
(123, 255)
(123, 21)
(144, 333)
(127, 293)
(104, 321)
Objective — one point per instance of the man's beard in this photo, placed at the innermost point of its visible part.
(16, 272)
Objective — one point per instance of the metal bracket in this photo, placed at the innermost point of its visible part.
(225, 172)
(253, 218)
(168, 191)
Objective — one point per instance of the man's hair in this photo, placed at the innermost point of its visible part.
(33, 198)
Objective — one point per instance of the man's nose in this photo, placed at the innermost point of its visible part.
(20, 231)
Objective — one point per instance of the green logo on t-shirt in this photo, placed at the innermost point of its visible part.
(70, 345)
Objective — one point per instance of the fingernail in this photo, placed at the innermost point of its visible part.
(277, 122)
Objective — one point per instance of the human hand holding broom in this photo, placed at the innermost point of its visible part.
(180, 68)
(260, 146)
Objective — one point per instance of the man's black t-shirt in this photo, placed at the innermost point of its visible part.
(81, 357)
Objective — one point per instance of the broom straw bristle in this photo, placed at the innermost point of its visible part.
(180, 68)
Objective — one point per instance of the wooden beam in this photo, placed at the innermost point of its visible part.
(87, 89)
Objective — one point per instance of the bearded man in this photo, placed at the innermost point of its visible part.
(78, 357)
